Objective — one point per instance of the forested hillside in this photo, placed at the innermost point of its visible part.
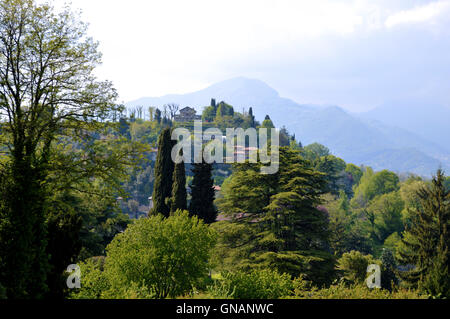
(382, 140)
(97, 203)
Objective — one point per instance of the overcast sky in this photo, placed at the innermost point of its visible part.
(356, 54)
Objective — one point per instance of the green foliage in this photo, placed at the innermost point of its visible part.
(332, 167)
(169, 255)
(347, 231)
(387, 212)
(436, 283)
(409, 194)
(375, 184)
(388, 270)
(155, 257)
(382, 182)
(202, 192)
(315, 151)
(392, 242)
(267, 123)
(353, 266)
(355, 171)
(94, 281)
(96, 285)
(164, 168)
(216, 113)
(251, 118)
(447, 183)
(63, 246)
(158, 116)
(234, 246)
(425, 243)
(209, 114)
(179, 194)
(361, 197)
(278, 212)
(284, 138)
(47, 126)
(257, 284)
(356, 291)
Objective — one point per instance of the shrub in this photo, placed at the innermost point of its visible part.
(133, 291)
(356, 291)
(353, 266)
(170, 255)
(257, 284)
(155, 257)
(93, 280)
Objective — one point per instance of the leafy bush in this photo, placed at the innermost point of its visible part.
(169, 255)
(353, 266)
(133, 291)
(222, 289)
(356, 291)
(257, 284)
(155, 257)
(94, 282)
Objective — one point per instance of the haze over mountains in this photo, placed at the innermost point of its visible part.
(403, 137)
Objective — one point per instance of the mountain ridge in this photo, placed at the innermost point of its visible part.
(357, 138)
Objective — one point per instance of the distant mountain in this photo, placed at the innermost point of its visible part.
(428, 120)
(239, 92)
(368, 142)
(359, 139)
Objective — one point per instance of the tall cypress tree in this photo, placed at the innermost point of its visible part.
(202, 191)
(425, 244)
(251, 117)
(179, 195)
(158, 115)
(164, 168)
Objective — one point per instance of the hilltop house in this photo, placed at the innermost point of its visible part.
(187, 114)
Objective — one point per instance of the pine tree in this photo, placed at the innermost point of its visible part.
(343, 203)
(203, 193)
(437, 283)
(279, 212)
(425, 243)
(164, 168)
(179, 195)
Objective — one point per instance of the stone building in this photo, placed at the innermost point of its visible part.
(187, 114)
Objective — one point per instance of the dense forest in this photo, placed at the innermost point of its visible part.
(85, 181)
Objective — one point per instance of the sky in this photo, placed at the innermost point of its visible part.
(356, 54)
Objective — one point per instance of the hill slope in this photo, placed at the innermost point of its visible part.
(427, 120)
(355, 138)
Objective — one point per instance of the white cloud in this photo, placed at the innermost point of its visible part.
(155, 47)
(420, 14)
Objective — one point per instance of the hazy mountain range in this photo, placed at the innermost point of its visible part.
(403, 137)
